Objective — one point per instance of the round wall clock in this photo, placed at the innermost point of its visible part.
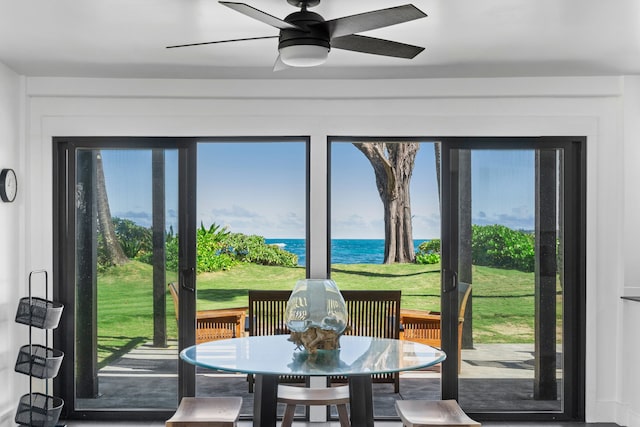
(8, 185)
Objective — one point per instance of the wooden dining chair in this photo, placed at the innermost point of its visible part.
(374, 313)
(267, 312)
(267, 317)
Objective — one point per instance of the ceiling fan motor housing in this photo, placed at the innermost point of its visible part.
(303, 3)
(316, 33)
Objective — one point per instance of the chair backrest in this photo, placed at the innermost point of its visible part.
(464, 289)
(373, 313)
(267, 312)
(173, 289)
(267, 317)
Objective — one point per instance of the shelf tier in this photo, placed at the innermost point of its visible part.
(39, 312)
(39, 361)
(39, 410)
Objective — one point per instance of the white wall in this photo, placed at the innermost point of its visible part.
(594, 107)
(10, 243)
(629, 312)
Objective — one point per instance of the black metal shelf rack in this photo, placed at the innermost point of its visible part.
(37, 361)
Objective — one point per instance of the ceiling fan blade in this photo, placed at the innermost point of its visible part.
(261, 16)
(222, 41)
(371, 20)
(376, 46)
(279, 65)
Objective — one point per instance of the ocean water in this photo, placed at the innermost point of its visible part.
(343, 251)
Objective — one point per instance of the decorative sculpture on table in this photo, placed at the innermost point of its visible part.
(316, 315)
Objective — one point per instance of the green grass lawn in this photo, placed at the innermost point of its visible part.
(503, 300)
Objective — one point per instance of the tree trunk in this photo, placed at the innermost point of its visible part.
(393, 166)
(105, 224)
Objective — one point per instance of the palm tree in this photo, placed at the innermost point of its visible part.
(114, 252)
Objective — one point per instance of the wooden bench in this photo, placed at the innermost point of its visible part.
(433, 413)
(214, 324)
(206, 412)
(292, 396)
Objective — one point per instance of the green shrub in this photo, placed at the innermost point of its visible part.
(427, 258)
(253, 249)
(502, 247)
(428, 252)
(171, 252)
(103, 262)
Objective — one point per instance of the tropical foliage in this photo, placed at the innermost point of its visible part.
(133, 239)
(217, 248)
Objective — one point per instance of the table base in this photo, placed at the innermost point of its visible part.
(265, 400)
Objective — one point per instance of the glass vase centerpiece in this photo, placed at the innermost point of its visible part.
(316, 315)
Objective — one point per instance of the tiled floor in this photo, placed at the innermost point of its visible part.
(491, 362)
(336, 424)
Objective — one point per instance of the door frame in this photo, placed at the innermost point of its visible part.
(574, 291)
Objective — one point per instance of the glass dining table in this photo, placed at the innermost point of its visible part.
(269, 357)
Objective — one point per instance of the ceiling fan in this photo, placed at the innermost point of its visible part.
(306, 38)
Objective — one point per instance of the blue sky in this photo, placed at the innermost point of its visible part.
(128, 181)
(259, 188)
(503, 188)
(253, 188)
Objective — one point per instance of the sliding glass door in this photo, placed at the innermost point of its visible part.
(513, 276)
(122, 235)
(507, 248)
(155, 237)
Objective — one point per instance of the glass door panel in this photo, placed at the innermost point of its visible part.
(252, 234)
(507, 338)
(126, 342)
(382, 242)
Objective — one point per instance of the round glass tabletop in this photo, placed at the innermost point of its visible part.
(276, 355)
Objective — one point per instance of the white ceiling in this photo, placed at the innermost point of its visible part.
(463, 38)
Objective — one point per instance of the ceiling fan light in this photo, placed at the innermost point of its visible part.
(306, 55)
